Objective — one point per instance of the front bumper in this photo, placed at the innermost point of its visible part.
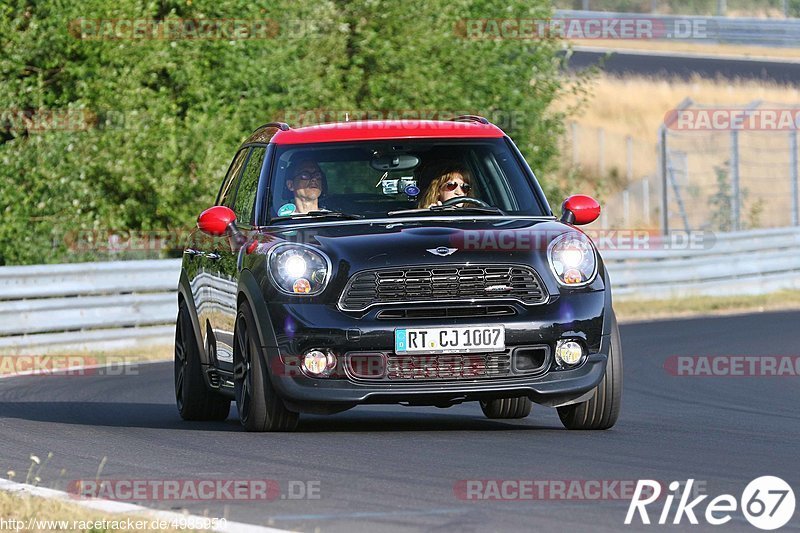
(301, 327)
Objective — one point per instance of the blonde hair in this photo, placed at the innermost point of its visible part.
(443, 174)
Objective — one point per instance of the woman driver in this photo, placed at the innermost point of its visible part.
(450, 181)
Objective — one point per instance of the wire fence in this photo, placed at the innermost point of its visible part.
(612, 162)
(730, 168)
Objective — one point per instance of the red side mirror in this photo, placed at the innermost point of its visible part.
(580, 209)
(216, 220)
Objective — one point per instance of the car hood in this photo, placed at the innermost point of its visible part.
(354, 246)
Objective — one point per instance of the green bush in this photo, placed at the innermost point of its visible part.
(164, 116)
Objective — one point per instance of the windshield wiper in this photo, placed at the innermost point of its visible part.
(489, 209)
(438, 210)
(322, 213)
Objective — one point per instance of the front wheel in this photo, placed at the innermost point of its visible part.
(260, 408)
(602, 411)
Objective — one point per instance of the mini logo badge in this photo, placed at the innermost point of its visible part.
(497, 288)
(442, 251)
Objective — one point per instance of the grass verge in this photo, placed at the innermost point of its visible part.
(36, 514)
(116, 361)
(709, 49)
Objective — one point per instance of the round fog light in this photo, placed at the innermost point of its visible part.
(568, 352)
(318, 363)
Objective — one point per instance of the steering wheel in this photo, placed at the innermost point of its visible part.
(464, 199)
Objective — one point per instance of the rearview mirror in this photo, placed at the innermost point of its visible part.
(395, 162)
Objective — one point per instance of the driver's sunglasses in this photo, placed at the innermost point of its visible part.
(308, 176)
(453, 185)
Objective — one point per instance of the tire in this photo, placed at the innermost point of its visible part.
(194, 399)
(260, 408)
(602, 411)
(507, 408)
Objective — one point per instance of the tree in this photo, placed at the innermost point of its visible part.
(153, 123)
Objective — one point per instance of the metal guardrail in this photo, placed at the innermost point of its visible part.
(755, 31)
(132, 304)
(740, 263)
(87, 306)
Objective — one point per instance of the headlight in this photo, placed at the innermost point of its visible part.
(572, 259)
(298, 269)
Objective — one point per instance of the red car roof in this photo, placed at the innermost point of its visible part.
(368, 130)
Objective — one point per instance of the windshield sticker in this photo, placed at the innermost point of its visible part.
(412, 191)
(286, 210)
(395, 186)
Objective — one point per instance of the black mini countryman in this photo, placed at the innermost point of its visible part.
(384, 262)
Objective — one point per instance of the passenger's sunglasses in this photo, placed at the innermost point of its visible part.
(453, 185)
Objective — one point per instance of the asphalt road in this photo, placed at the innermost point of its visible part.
(687, 65)
(395, 468)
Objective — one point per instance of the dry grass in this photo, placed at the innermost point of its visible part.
(636, 311)
(635, 107)
(15, 363)
(699, 48)
(29, 508)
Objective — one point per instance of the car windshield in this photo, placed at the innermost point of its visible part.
(378, 179)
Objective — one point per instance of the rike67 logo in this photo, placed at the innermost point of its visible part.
(767, 503)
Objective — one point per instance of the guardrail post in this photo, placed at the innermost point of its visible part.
(735, 200)
(626, 208)
(662, 163)
(629, 158)
(793, 174)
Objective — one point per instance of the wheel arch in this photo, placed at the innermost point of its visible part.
(249, 291)
(185, 297)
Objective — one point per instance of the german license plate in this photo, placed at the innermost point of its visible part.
(450, 340)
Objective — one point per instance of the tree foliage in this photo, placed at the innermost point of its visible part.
(164, 116)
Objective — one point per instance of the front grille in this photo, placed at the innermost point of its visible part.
(472, 311)
(415, 367)
(442, 283)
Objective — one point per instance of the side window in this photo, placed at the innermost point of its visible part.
(228, 188)
(248, 185)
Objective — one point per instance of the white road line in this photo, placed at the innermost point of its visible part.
(109, 506)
